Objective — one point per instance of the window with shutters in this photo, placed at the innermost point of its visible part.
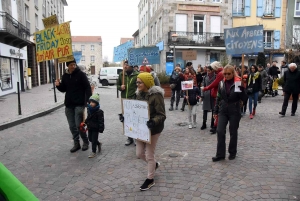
(269, 7)
(238, 8)
(297, 8)
(268, 39)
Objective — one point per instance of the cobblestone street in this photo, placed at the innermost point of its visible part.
(267, 166)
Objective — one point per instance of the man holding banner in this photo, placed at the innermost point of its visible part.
(127, 85)
(77, 92)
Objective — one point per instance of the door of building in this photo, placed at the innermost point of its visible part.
(92, 70)
(199, 29)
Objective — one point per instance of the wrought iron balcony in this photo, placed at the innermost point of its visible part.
(13, 32)
(196, 39)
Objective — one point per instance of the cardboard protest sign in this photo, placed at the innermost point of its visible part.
(186, 85)
(136, 114)
(54, 42)
(244, 40)
(50, 21)
(76, 55)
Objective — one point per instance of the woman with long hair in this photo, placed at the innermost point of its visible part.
(253, 88)
(228, 110)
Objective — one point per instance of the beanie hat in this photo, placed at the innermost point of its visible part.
(95, 97)
(147, 79)
(145, 69)
(69, 62)
(216, 65)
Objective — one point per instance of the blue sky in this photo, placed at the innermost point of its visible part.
(110, 19)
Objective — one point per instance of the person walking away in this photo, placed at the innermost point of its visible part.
(77, 90)
(128, 88)
(175, 84)
(227, 109)
(291, 87)
(94, 123)
(273, 73)
(154, 95)
(192, 98)
(264, 81)
(213, 87)
(253, 87)
(208, 101)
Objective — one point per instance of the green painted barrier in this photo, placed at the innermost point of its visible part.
(12, 189)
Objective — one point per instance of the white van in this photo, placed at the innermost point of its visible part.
(109, 75)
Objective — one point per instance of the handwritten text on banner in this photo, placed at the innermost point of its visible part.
(136, 56)
(244, 40)
(136, 115)
(54, 42)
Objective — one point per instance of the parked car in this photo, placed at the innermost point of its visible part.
(109, 75)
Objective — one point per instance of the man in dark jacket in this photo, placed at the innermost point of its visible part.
(291, 87)
(175, 84)
(128, 88)
(77, 90)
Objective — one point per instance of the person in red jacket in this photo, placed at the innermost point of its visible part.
(213, 87)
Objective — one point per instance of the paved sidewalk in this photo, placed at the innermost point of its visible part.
(34, 103)
(266, 167)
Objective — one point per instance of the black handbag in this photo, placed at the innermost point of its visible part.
(249, 90)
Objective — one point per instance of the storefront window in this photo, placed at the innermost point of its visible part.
(5, 73)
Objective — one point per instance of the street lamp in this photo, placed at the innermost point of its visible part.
(174, 38)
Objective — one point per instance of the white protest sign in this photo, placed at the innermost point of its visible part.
(186, 85)
(136, 115)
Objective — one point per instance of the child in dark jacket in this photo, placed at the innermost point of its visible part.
(95, 123)
(192, 97)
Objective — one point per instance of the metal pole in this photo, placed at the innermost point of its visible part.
(19, 99)
(54, 87)
(174, 57)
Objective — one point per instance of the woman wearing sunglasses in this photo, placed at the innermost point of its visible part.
(227, 109)
(253, 88)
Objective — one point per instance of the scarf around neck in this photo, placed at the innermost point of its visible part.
(91, 109)
(253, 77)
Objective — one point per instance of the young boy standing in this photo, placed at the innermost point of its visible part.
(192, 97)
(95, 123)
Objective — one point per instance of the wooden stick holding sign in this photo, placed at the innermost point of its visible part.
(185, 86)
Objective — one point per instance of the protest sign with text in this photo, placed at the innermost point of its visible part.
(136, 56)
(244, 40)
(54, 42)
(136, 115)
(121, 51)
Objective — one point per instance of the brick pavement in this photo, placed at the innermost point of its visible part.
(266, 167)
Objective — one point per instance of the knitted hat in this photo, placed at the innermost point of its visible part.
(145, 69)
(95, 97)
(216, 65)
(147, 79)
(69, 62)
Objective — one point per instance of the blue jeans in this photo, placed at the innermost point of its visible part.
(253, 97)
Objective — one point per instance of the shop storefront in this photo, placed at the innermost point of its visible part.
(12, 62)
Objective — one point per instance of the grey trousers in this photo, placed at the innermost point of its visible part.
(234, 121)
(75, 117)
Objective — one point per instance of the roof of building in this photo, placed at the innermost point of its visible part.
(136, 33)
(87, 39)
(124, 40)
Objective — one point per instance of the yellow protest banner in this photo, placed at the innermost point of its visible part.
(54, 42)
(66, 59)
(50, 21)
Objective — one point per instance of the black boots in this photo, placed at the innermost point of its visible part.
(76, 147)
(171, 108)
(203, 126)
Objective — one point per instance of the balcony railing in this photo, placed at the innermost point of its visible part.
(13, 31)
(196, 39)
